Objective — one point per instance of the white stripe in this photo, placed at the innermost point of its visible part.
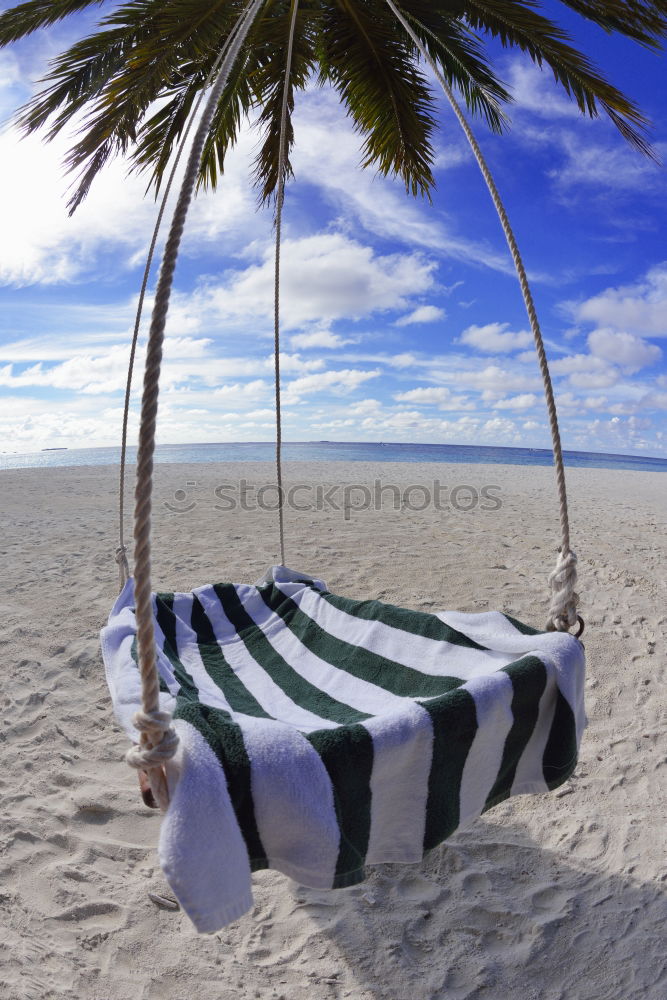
(189, 655)
(165, 669)
(294, 802)
(433, 657)
(493, 707)
(529, 776)
(562, 650)
(291, 789)
(252, 675)
(202, 851)
(402, 753)
(339, 684)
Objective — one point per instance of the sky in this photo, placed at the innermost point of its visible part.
(401, 320)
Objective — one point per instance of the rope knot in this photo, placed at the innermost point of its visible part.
(159, 740)
(564, 600)
(123, 565)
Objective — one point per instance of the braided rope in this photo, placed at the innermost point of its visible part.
(563, 608)
(121, 550)
(155, 726)
(276, 284)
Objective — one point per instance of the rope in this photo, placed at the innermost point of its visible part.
(276, 285)
(158, 739)
(121, 551)
(563, 608)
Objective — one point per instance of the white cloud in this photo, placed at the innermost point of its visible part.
(495, 381)
(404, 360)
(242, 393)
(187, 362)
(522, 402)
(577, 363)
(495, 338)
(10, 73)
(655, 401)
(41, 244)
(86, 374)
(319, 338)
(440, 396)
(568, 402)
(624, 349)
(616, 167)
(324, 278)
(640, 308)
(422, 314)
(595, 380)
(338, 382)
(365, 406)
(533, 90)
(427, 395)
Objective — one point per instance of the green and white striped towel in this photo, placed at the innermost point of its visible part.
(320, 734)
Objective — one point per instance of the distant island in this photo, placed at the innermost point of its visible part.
(54, 449)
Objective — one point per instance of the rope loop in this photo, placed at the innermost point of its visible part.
(562, 580)
(123, 566)
(158, 740)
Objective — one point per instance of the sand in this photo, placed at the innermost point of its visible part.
(556, 897)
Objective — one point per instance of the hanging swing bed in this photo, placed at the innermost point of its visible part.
(281, 726)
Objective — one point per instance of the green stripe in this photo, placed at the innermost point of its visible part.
(529, 679)
(134, 653)
(361, 663)
(347, 754)
(454, 719)
(166, 619)
(414, 622)
(237, 695)
(296, 687)
(520, 627)
(223, 735)
(560, 754)
(225, 738)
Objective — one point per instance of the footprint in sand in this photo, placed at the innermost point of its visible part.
(417, 889)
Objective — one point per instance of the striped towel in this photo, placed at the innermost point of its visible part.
(319, 734)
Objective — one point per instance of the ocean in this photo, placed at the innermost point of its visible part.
(333, 451)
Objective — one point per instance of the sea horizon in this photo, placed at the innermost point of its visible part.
(331, 451)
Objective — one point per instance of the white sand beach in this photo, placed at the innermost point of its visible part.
(557, 897)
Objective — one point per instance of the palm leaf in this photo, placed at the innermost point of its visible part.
(518, 24)
(148, 51)
(267, 79)
(450, 44)
(370, 64)
(646, 23)
(17, 22)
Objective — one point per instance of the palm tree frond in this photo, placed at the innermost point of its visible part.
(17, 22)
(371, 66)
(77, 76)
(130, 85)
(267, 80)
(645, 22)
(459, 55)
(519, 25)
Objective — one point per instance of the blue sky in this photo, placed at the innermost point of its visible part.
(401, 321)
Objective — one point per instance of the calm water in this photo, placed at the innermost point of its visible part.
(333, 451)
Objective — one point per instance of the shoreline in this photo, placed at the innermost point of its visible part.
(330, 451)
